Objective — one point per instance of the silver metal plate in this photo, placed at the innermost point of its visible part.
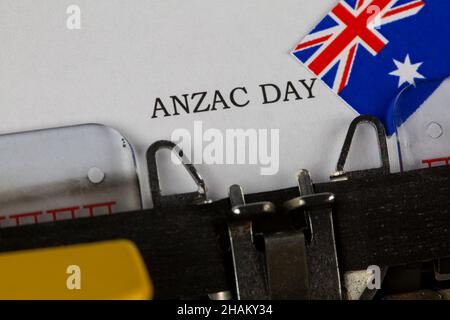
(66, 173)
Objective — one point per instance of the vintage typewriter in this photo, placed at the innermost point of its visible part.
(72, 218)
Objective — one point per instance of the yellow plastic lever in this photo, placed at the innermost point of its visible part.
(103, 270)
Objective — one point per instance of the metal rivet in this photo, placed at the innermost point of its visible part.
(434, 130)
(95, 175)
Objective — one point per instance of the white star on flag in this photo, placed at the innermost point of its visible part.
(406, 71)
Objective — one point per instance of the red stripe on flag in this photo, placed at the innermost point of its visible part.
(406, 7)
(355, 27)
(312, 42)
(359, 4)
(348, 66)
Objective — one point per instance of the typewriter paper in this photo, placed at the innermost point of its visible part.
(131, 61)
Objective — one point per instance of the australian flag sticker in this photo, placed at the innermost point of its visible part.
(367, 51)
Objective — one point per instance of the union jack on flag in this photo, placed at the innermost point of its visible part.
(367, 50)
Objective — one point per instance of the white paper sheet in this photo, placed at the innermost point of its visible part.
(129, 53)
